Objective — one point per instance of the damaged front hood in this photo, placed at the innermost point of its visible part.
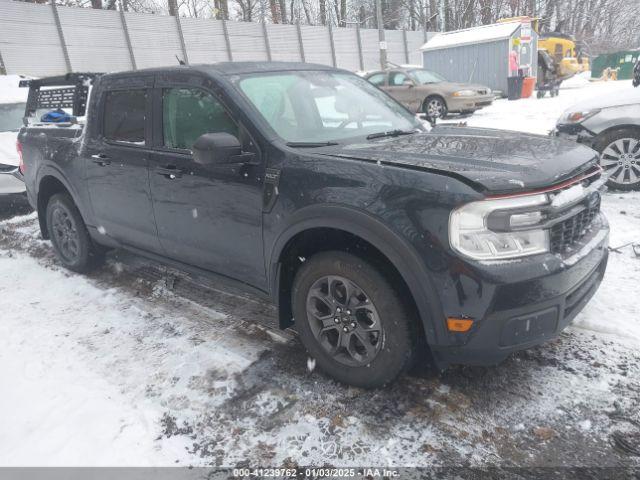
(494, 161)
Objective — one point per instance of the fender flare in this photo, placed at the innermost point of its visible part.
(54, 172)
(613, 128)
(364, 225)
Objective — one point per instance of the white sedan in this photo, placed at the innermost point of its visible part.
(611, 125)
(11, 182)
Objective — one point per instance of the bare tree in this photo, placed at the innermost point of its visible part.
(323, 12)
(274, 6)
(603, 25)
(247, 9)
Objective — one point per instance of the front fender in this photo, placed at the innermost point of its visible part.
(396, 249)
(612, 119)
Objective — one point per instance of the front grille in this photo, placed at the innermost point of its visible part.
(482, 92)
(565, 234)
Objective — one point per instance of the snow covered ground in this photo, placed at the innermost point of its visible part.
(137, 364)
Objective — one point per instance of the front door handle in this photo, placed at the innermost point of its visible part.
(170, 171)
(101, 159)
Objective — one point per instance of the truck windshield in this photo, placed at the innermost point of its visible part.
(321, 106)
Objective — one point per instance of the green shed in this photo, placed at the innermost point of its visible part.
(624, 60)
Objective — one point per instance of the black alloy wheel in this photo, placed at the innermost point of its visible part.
(344, 321)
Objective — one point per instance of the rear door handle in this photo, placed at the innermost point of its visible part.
(170, 171)
(101, 159)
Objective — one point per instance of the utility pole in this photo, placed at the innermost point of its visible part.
(381, 37)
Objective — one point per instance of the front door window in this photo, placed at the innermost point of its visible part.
(188, 113)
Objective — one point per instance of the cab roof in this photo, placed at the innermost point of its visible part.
(229, 68)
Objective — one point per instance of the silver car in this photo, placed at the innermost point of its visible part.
(610, 125)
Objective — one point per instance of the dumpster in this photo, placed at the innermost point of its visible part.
(623, 61)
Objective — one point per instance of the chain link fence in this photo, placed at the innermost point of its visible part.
(43, 40)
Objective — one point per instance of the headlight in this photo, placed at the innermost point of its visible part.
(500, 229)
(464, 93)
(577, 116)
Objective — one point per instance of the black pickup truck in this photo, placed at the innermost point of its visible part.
(376, 237)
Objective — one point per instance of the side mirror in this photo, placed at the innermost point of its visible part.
(407, 82)
(217, 148)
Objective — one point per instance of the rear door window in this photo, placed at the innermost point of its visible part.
(125, 113)
(397, 79)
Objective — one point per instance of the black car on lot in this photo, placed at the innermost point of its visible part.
(376, 238)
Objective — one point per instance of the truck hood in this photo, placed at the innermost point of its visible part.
(491, 161)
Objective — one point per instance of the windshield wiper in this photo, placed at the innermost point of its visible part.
(310, 144)
(390, 133)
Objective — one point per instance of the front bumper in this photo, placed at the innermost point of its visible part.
(459, 104)
(574, 132)
(530, 301)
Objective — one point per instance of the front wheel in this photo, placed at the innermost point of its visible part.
(351, 320)
(620, 157)
(434, 108)
(69, 236)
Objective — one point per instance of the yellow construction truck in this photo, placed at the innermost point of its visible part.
(568, 54)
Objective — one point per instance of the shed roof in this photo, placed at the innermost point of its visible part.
(483, 34)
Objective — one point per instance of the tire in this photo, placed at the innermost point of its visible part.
(373, 314)
(540, 93)
(434, 107)
(69, 235)
(620, 157)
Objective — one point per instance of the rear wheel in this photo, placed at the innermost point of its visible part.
(434, 108)
(69, 236)
(351, 320)
(620, 157)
